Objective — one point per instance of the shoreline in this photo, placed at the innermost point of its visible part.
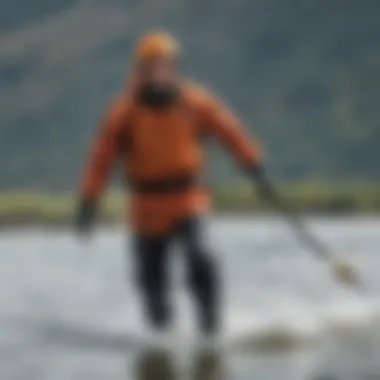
(21, 209)
(67, 224)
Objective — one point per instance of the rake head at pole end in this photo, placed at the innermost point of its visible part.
(346, 273)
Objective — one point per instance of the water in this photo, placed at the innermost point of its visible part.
(69, 310)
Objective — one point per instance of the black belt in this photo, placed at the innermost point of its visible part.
(167, 186)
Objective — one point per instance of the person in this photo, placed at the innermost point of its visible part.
(154, 130)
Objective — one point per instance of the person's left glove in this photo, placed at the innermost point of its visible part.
(84, 216)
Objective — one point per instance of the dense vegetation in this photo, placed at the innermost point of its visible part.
(305, 75)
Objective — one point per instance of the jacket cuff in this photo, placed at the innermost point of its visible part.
(255, 171)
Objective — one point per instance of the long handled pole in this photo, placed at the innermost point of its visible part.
(341, 269)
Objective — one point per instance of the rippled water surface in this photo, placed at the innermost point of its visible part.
(68, 310)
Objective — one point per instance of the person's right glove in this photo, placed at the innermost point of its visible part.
(265, 188)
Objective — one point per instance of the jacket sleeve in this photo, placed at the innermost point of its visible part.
(102, 154)
(220, 122)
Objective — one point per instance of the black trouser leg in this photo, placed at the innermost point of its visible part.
(151, 258)
(203, 274)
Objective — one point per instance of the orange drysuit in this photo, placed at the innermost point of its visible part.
(162, 146)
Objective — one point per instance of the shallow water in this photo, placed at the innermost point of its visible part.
(69, 309)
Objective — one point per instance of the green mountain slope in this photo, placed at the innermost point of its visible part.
(305, 75)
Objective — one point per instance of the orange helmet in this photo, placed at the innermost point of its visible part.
(156, 45)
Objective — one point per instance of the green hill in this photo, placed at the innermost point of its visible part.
(305, 75)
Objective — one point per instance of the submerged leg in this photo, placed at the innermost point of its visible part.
(151, 255)
(203, 272)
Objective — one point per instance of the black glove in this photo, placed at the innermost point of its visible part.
(84, 216)
(265, 188)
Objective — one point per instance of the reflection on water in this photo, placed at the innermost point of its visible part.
(155, 364)
(160, 364)
(66, 312)
(208, 365)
